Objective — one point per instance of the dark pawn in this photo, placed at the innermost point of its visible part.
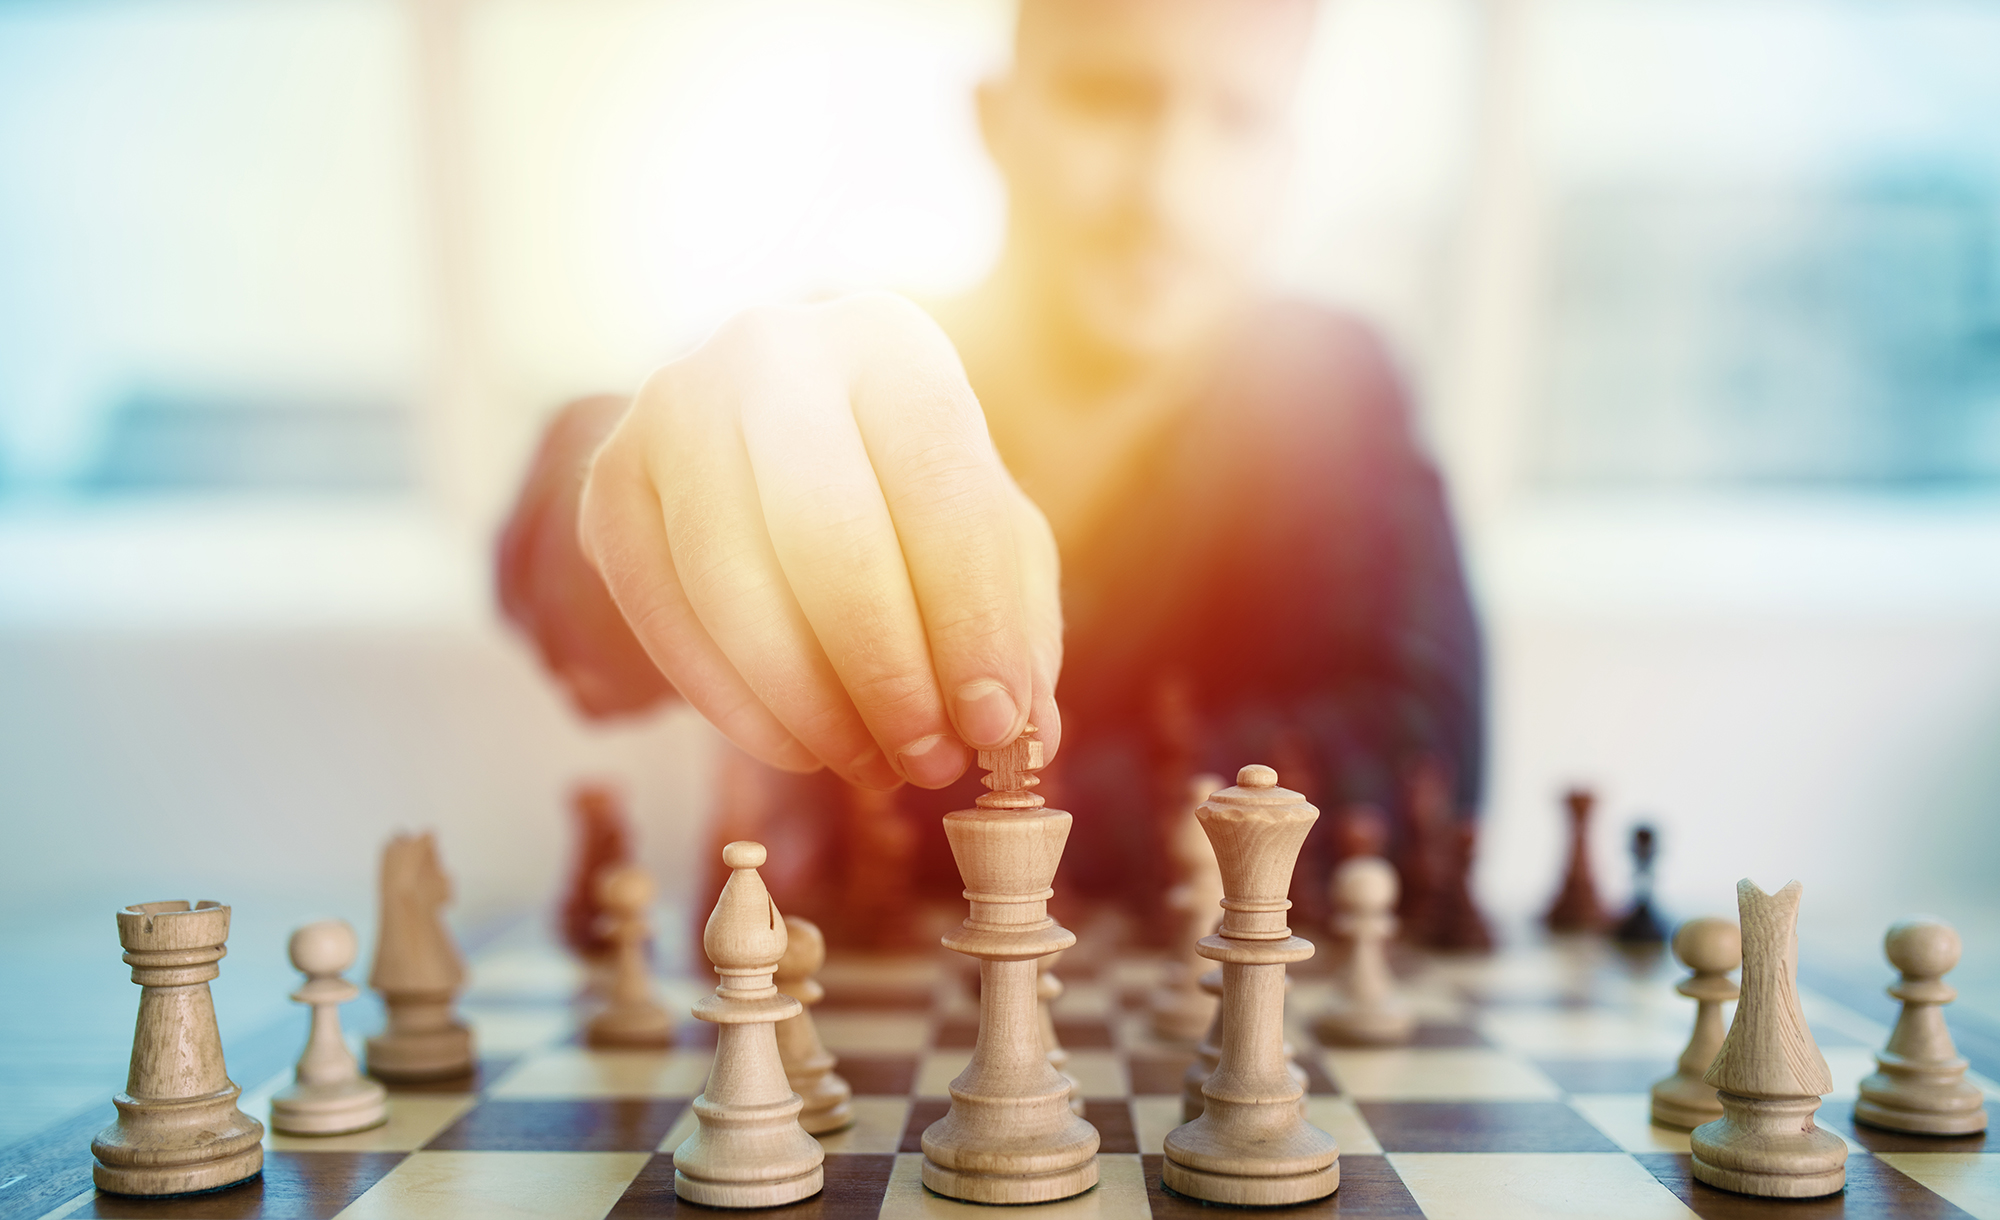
(1641, 925)
(603, 842)
(1576, 908)
(1458, 926)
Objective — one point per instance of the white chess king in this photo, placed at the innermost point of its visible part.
(1010, 1136)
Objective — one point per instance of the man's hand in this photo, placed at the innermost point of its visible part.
(549, 590)
(807, 527)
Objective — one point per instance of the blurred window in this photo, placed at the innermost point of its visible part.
(1772, 243)
(208, 229)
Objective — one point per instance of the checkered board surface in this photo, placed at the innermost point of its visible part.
(1524, 1094)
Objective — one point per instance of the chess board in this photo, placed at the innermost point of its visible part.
(1524, 1094)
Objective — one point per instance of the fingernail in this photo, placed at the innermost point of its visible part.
(986, 713)
(934, 761)
(872, 770)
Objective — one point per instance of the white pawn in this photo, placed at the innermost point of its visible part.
(829, 1100)
(1180, 1008)
(329, 1095)
(1048, 989)
(1920, 1086)
(748, 1149)
(1370, 1011)
(1711, 947)
(633, 1016)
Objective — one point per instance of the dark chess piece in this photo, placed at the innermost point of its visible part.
(1419, 855)
(1576, 908)
(1641, 925)
(603, 843)
(1457, 924)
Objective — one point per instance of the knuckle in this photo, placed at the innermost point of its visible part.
(895, 696)
(971, 627)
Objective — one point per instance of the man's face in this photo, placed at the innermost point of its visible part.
(1144, 143)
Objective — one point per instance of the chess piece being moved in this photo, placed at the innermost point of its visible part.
(1769, 1074)
(1010, 1136)
(1049, 989)
(1710, 947)
(1368, 1011)
(178, 1127)
(1919, 1085)
(1180, 1009)
(603, 843)
(632, 1014)
(1641, 925)
(808, 1064)
(417, 970)
(328, 1094)
(1252, 1144)
(1576, 908)
(748, 1149)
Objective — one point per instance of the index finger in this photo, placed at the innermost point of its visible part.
(950, 501)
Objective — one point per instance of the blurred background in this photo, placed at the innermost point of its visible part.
(1700, 300)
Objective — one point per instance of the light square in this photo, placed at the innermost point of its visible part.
(1437, 1074)
(1136, 973)
(498, 1186)
(514, 1029)
(1587, 1033)
(1120, 1194)
(938, 1069)
(1534, 1186)
(878, 1127)
(528, 972)
(574, 1072)
(1337, 1117)
(1848, 1065)
(414, 1120)
(1085, 1000)
(1152, 1118)
(1133, 1033)
(1099, 1073)
(860, 1032)
(1628, 1119)
(1969, 1179)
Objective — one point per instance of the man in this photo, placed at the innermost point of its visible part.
(862, 538)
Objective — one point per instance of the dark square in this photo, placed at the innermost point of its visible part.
(1839, 1116)
(1604, 1075)
(1875, 1191)
(1447, 1035)
(879, 1075)
(923, 1112)
(1482, 1126)
(957, 1034)
(1085, 1035)
(294, 1186)
(855, 1186)
(1113, 1120)
(596, 1125)
(1368, 1187)
(1157, 1075)
(1317, 1081)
